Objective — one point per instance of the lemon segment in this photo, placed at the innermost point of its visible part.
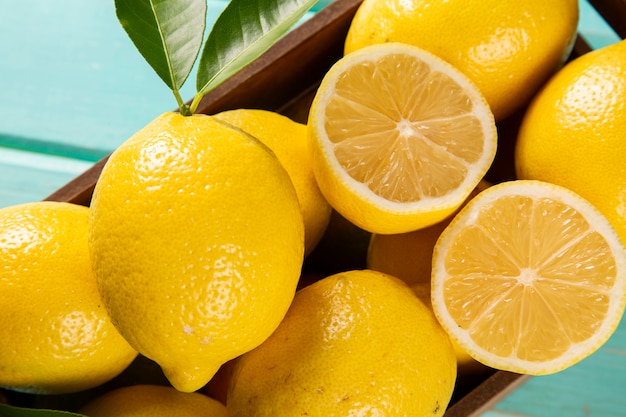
(400, 138)
(529, 277)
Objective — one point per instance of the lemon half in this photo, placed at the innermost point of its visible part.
(399, 138)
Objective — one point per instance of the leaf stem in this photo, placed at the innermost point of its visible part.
(182, 107)
(195, 102)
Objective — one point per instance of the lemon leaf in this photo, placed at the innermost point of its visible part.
(167, 33)
(243, 31)
(9, 411)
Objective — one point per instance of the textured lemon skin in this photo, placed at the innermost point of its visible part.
(288, 140)
(354, 343)
(153, 400)
(508, 48)
(574, 132)
(197, 242)
(56, 335)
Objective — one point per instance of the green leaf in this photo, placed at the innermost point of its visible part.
(168, 33)
(244, 30)
(9, 411)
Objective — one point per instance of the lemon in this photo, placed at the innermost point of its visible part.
(529, 277)
(573, 133)
(355, 343)
(399, 138)
(151, 401)
(507, 48)
(56, 335)
(197, 242)
(408, 256)
(288, 140)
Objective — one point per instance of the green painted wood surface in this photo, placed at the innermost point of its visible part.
(26, 176)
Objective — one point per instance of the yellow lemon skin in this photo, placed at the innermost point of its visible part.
(574, 132)
(56, 336)
(151, 401)
(197, 243)
(508, 48)
(288, 140)
(355, 343)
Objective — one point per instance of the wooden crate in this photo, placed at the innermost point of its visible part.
(285, 79)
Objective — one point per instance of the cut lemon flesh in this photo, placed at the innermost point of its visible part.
(529, 277)
(400, 137)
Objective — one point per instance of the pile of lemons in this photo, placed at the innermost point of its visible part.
(192, 250)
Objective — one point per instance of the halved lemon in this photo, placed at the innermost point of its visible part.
(400, 138)
(529, 277)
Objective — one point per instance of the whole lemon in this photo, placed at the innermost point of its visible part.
(56, 335)
(574, 132)
(151, 401)
(197, 243)
(352, 344)
(288, 140)
(508, 48)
